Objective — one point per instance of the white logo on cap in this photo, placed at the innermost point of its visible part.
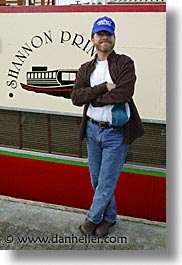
(104, 22)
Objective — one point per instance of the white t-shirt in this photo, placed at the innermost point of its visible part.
(99, 75)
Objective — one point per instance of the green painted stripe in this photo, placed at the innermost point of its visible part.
(144, 172)
(76, 163)
(44, 158)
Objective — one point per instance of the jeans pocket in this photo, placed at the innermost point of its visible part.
(89, 130)
(119, 130)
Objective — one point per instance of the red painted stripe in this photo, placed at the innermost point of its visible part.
(41, 89)
(85, 8)
(48, 90)
(136, 195)
(141, 196)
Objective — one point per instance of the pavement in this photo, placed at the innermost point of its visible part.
(34, 225)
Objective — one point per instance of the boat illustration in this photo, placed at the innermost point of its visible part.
(55, 82)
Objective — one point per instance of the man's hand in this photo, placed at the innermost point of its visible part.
(110, 86)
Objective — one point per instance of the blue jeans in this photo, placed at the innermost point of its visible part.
(106, 156)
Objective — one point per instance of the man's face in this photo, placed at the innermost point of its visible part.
(103, 41)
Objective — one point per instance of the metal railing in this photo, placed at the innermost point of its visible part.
(58, 134)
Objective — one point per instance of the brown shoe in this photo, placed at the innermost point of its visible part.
(87, 228)
(102, 229)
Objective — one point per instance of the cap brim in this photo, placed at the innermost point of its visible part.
(104, 28)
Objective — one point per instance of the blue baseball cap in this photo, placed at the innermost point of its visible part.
(104, 24)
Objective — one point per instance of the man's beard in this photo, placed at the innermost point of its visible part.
(104, 48)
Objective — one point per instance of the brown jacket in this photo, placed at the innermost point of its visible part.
(122, 71)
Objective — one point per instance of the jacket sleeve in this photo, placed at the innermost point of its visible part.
(124, 89)
(82, 93)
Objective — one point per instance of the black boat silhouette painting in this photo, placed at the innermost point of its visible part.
(55, 82)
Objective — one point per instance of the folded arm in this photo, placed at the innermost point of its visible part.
(82, 93)
(123, 90)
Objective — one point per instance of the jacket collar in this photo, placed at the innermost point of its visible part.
(110, 57)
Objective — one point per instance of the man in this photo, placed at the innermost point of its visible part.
(105, 85)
